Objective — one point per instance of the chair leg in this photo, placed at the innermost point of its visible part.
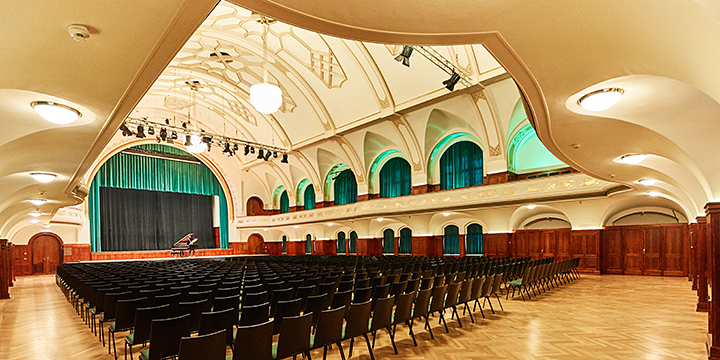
(412, 335)
(488, 301)
(456, 314)
(392, 339)
(428, 327)
(442, 318)
(352, 341)
(373, 342)
(470, 312)
(342, 354)
(324, 352)
(498, 299)
(367, 341)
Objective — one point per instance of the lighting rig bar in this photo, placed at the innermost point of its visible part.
(165, 131)
(444, 64)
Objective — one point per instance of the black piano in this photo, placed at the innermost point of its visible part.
(184, 247)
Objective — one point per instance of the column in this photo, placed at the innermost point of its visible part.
(4, 281)
(700, 250)
(712, 212)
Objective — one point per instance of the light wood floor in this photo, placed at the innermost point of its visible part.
(596, 317)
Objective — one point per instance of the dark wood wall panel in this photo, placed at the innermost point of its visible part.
(675, 245)
(21, 260)
(633, 245)
(496, 244)
(77, 252)
(646, 250)
(613, 258)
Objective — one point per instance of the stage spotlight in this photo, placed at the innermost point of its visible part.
(404, 56)
(236, 148)
(247, 149)
(140, 132)
(163, 134)
(275, 154)
(228, 151)
(268, 154)
(125, 130)
(284, 159)
(252, 150)
(188, 140)
(260, 154)
(174, 135)
(151, 131)
(450, 83)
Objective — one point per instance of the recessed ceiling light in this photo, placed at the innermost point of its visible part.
(265, 229)
(379, 219)
(654, 193)
(46, 226)
(446, 214)
(43, 177)
(35, 214)
(647, 182)
(56, 113)
(329, 224)
(295, 226)
(34, 221)
(600, 100)
(633, 159)
(37, 202)
(531, 206)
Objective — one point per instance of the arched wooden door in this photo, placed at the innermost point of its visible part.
(45, 253)
(255, 207)
(256, 244)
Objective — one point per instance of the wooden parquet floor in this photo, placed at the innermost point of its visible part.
(596, 317)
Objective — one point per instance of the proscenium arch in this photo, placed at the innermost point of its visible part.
(442, 145)
(377, 165)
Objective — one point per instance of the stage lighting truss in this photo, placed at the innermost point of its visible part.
(456, 73)
(230, 146)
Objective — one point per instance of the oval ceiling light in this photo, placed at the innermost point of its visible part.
(380, 219)
(600, 100)
(531, 206)
(37, 202)
(34, 221)
(35, 214)
(295, 227)
(43, 177)
(194, 144)
(265, 98)
(46, 226)
(329, 224)
(446, 214)
(647, 182)
(56, 113)
(633, 158)
(654, 193)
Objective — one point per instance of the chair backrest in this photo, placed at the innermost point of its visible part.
(254, 342)
(498, 282)
(466, 291)
(398, 288)
(345, 286)
(329, 327)
(125, 316)
(144, 318)
(382, 317)
(165, 335)
(358, 319)
(316, 304)
(227, 302)
(203, 347)
(228, 291)
(403, 311)
(294, 336)
(427, 283)
(438, 298)
(211, 322)
(304, 291)
(195, 309)
(284, 294)
(343, 298)
(255, 314)
(412, 285)
(251, 299)
(287, 309)
(110, 303)
(362, 283)
(362, 295)
(487, 285)
(452, 294)
(201, 295)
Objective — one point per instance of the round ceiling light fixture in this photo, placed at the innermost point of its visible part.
(380, 219)
(43, 177)
(654, 193)
(633, 159)
(37, 202)
(531, 206)
(35, 214)
(46, 226)
(446, 214)
(34, 221)
(56, 113)
(194, 144)
(647, 182)
(329, 224)
(266, 98)
(600, 100)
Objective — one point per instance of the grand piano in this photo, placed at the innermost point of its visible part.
(184, 247)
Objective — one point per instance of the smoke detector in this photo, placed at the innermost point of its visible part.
(79, 32)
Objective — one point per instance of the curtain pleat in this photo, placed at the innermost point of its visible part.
(309, 197)
(389, 242)
(461, 166)
(284, 203)
(353, 243)
(405, 247)
(451, 240)
(345, 188)
(395, 178)
(341, 243)
(473, 239)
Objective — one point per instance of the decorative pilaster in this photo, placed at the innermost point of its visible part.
(700, 250)
(712, 211)
(4, 269)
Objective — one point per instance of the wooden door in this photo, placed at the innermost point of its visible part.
(652, 259)
(613, 256)
(548, 241)
(522, 244)
(46, 254)
(255, 244)
(254, 207)
(562, 251)
(633, 244)
(673, 250)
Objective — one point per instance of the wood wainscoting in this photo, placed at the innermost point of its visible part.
(159, 254)
(645, 250)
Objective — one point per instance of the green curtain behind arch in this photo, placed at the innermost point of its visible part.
(345, 188)
(308, 244)
(389, 242)
(451, 242)
(341, 243)
(395, 178)
(473, 239)
(461, 165)
(352, 244)
(284, 203)
(129, 171)
(405, 241)
(309, 197)
(284, 244)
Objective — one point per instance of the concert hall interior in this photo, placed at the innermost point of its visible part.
(527, 132)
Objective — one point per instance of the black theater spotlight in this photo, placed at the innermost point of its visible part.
(125, 130)
(450, 83)
(207, 140)
(275, 154)
(188, 140)
(151, 131)
(260, 154)
(284, 159)
(174, 135)
(163, 134)
(236, 148)
(404, 56)
(267, 156)
(252, 150)
(140, 132)
(247, 149)
(228, 150)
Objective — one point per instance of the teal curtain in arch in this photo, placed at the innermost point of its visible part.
(451, 240)
(345, 188)
(308, 244)
(284, 244)
(461, 165)
(474, 240)
(284, 203)
(352, 244)
(395, 178)
(341, 243)
(128, 171)
(405, 247)
(309, 197)
(389, 242)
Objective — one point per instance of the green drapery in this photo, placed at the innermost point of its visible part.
(284, 203)
(395, 178)
(284, 244)
(451, 240)
(309, 197)
(388, 242)
(345, 188)
(129, 171)
(405, 246)
(352, 244)
(473, 239)
(308, 244)
(461, 166)
(341, 243)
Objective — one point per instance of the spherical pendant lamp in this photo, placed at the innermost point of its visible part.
(265, 97)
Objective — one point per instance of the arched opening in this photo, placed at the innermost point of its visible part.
(352, 244)
(284, 202)
(388, 242)
(308, 244)
(256, 244)
(461, 165)
(345, 188)
(341, 243)
(284, 244)
(405, 246)
(395, 178)
(309, 197)
(45, 252)
(474, 239)
(254, 207)
(451, 240)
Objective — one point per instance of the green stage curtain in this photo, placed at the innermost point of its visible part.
(284, 203)
(461, 166)
(474, 239)
(395, 178)
(341, 243)
(284, 244)
(388, 242)
(353, 243)
(345, 188)
(451, 242)
(129, 171)
(308, 244)
(309, 197)
(405, 241)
